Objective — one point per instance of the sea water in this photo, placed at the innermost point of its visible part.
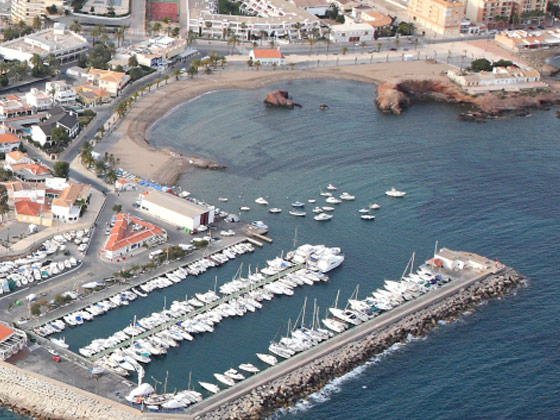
(487, 188)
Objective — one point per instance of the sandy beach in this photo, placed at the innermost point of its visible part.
(164, 166)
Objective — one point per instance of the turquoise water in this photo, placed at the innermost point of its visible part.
(490, 189)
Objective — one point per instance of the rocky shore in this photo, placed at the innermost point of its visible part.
(298, 384)
(45, 399)
(395, 96)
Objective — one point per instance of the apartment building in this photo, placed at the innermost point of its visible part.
(440, 16)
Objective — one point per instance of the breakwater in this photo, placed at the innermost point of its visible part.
(42, 398)
(288, 389)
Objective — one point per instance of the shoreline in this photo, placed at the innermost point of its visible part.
(165, 165)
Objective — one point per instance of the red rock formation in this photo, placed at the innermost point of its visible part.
(394, 96)
(278, 98)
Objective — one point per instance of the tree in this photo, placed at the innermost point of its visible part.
(52, 9)
(37, 24)
(340, 19)
(165, 77)
(35, 309)
(4, 207)
(257, 64)
(191, 37)
(59, 136)
(192, 70)
(4, 81)
(176, 73)
(344, 50)
(157, 82)
(481, 64)
(117, 208)
(157, 27)
(503, 63)
(132, 61)
(406, 29)
(75, 26)
(61, 169)
(111, 178)
(378, 46)
(149, 85)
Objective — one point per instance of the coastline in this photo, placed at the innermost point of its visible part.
(166, 165)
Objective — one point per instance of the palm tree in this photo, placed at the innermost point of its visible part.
(223, 61)
(157, 27)
(292, 65)
(272, 43)
(75, 26)
(379, 46)
(37, 23)
(274, 65)
(149, 85)
(298, 27)
(157, 82)
(192, 71)
(311, 41)
(244, 28)
(327, 35)
(250, 62)
(176, 73)
(344, 50)
(257, 64)
(165, 78)
(191, 37)
(233, 41)
(415, 43)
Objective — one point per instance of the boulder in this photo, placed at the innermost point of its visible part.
(278, 99)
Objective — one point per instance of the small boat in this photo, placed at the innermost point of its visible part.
(298, 204)
(327, 208)
(244, 208)
(325, 194)
(323, 217)
(333, 200)
(214, 389)
(317, 210)
(224, 379)
(60, 342)
(323, 107)
(311, 200)
(393, 192)
(275, 210)
(346, 196)
(367, 216)
(267, 358)
(331, 187)
(297, 213)
(363, 211)
(248, 367)
(234, 374)
(261, 201)
(374, 206)
(223, 199)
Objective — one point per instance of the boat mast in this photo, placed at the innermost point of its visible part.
(303, 313)
(436, 247)
(412, 265)
(295, 238)
(215, 283)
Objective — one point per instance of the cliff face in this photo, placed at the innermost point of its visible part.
(278, 98)
(395, 96)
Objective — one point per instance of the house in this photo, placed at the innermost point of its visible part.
(456, 261)
(352, 32)
(109, 80)
(267, 57)
(63, 93)
(375, 19)
(91, 95)
(18, 190)
(315, 7)
(122, 184)
(38, 99)
(67, 206)
(57, 117)
(131, 235)
(8, 141)
(12, 341)
(77, 72)
(31, 172)
(13, 106)
(529, 40)
(511, 78)
(17, 158)
(176, 211)
(31, 212)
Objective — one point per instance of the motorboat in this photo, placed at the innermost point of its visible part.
(393, 192)
(317, 210)
(234, 374)
(333, 200)
(298, 204)
(328, 208)
(311, 200)
(325, 194)
(331, 187)
(335, 325)
(323, 217)
(363, 211)
(224, 379)
(262, 201)
(223, 199)
(248, 367)
(374, 206)
(346, 196)
(60, 342)
(244, 208)
(297, 213)
(367, 217)
(275, 210)
(269, 359)
(214, 389)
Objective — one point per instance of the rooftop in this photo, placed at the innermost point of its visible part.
(8, 138)
(174, 203)
(30, 208)
(264, 53)
(71, 194)
(16, 155)
(46, 41)
(5, 332)
(129, 230)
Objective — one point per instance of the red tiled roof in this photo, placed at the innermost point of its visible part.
(267, 54)
(30, 208)
(5, 332)
(8, 138)
(123, 234)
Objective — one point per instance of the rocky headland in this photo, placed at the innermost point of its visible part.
(299, 383)
(395, 96)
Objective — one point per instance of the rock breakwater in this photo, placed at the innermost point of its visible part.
(300, 383)
(45, 399)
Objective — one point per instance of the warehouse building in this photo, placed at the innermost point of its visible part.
(176, 211)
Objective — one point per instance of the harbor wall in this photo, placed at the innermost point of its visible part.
(42, 398)
(288, 389)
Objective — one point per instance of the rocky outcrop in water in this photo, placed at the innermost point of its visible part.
(279, 99)
(299, 383)
(395, 96)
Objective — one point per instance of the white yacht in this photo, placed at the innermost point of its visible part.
(346, 196)
(248, 367)
(328, 208)
(234, 374)
(311, 200)
(297, 213)
(60, 342)
(363, 211)
(374, 206)
(323, 217)
(223, 199)
(275, 210)
(333, 200)
(317, 210)
(325, 194)
(331, 187)
(262, 201)
(244, 208)
(335, 325)
(393, 192)
(224, 379)
(214, 389)
(267, 358)
(367, 217)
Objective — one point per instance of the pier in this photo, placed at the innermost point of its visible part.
(205, 308)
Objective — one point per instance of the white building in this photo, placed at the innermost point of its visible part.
(65, 45)
(8, 142)
(267, 57)
(64, 94)
(122, 184)
(66, 207)
(352, 32)
(38, 99)
(498, 78)
(176, 211)
(12, 340)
